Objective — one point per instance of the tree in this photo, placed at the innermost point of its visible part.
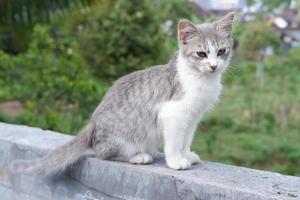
(118, 37)
(18, 17)
(52, 81)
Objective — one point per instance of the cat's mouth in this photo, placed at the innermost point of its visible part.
(209, 71)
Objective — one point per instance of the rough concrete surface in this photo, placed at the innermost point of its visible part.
(93, 179)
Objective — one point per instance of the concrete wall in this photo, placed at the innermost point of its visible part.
(92, 179)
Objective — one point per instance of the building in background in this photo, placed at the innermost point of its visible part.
(216, 5)
(285, 19)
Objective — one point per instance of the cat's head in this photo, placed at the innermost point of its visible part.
(207, 48)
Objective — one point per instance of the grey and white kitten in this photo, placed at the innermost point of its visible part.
(157, 107)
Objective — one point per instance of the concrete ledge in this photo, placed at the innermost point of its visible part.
(92, 179)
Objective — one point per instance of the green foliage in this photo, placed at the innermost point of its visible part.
(270, 5)
(52, 70)
(237, 30)
(250, 2)
(18, 17)
(51, 77)
(118, 42)
(29, 12)
(173, 11)
(13, 39)
(257, 36)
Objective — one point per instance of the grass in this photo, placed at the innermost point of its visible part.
(256, 126)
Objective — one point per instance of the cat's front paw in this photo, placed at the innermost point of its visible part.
(192, 157)
(178, 163)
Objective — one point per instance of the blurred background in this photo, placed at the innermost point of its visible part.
(58, 58)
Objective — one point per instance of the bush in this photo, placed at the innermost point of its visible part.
(117, 37)
(50, 78)
(257, 36)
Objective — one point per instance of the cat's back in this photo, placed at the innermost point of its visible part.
(155, 75)
(142, 88)
(146, 84)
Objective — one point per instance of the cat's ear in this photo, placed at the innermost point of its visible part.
(224, 25)
(186, 30)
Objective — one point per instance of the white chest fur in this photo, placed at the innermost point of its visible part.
(179, 118)
(200, 94)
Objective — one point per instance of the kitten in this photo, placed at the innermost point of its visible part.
(157, 107)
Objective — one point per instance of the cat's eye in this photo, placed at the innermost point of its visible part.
(201, 54)
(221, 52)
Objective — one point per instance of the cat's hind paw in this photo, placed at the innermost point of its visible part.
(142, 158)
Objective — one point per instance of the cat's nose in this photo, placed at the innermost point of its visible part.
(213, 67)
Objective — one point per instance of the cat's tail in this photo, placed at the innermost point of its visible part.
(58, 159)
